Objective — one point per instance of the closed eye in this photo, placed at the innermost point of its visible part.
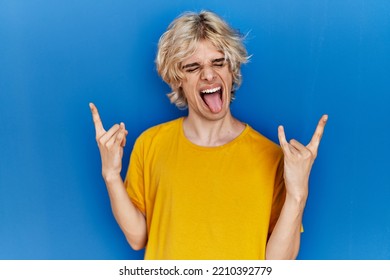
(219, 62)
(192, 69)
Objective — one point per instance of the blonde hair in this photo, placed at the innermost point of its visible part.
(180, 40)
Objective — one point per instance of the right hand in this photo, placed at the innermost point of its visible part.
(111, 144)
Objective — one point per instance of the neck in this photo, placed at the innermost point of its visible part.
(211, 133)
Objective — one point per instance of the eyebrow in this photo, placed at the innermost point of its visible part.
(197, 64)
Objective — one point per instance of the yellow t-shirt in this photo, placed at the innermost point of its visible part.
(206, 202)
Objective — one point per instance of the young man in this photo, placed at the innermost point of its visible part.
(207, 186)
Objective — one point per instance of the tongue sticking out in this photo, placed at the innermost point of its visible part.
(213, 100)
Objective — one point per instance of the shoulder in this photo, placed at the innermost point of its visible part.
(161, 131)
(158, 138)
(267, 152)
(165, 127)
(262, 143)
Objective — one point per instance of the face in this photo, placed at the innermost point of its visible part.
(208, 83)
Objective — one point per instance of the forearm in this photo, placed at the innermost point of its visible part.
(130, 219)
(285, 239)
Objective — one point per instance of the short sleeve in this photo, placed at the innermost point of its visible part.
(279, 196)
(134, 181)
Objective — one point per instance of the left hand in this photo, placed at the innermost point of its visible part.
(299, 159)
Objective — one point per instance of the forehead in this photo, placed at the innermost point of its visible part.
(204, 51)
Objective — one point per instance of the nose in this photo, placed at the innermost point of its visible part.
(208, 73)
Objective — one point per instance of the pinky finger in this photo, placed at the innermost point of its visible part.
(282, 140)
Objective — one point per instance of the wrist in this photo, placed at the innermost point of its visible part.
(297, 201)
(297, 191)
(111, 178)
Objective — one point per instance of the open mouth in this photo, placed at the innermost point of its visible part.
(212, 98)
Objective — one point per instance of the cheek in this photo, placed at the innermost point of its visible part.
(189, 92)
(226, 75)
(228, 80)
(188, 86)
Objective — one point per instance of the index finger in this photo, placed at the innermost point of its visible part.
(316, 139)
(96, 120)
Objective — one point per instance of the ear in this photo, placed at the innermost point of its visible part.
(176, 86)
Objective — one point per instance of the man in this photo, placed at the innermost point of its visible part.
(207, 186)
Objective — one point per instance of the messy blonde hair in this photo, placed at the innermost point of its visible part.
(180, 40)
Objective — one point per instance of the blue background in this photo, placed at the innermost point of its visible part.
(309, 58)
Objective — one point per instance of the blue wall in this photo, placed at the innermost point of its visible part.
(309, 58)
